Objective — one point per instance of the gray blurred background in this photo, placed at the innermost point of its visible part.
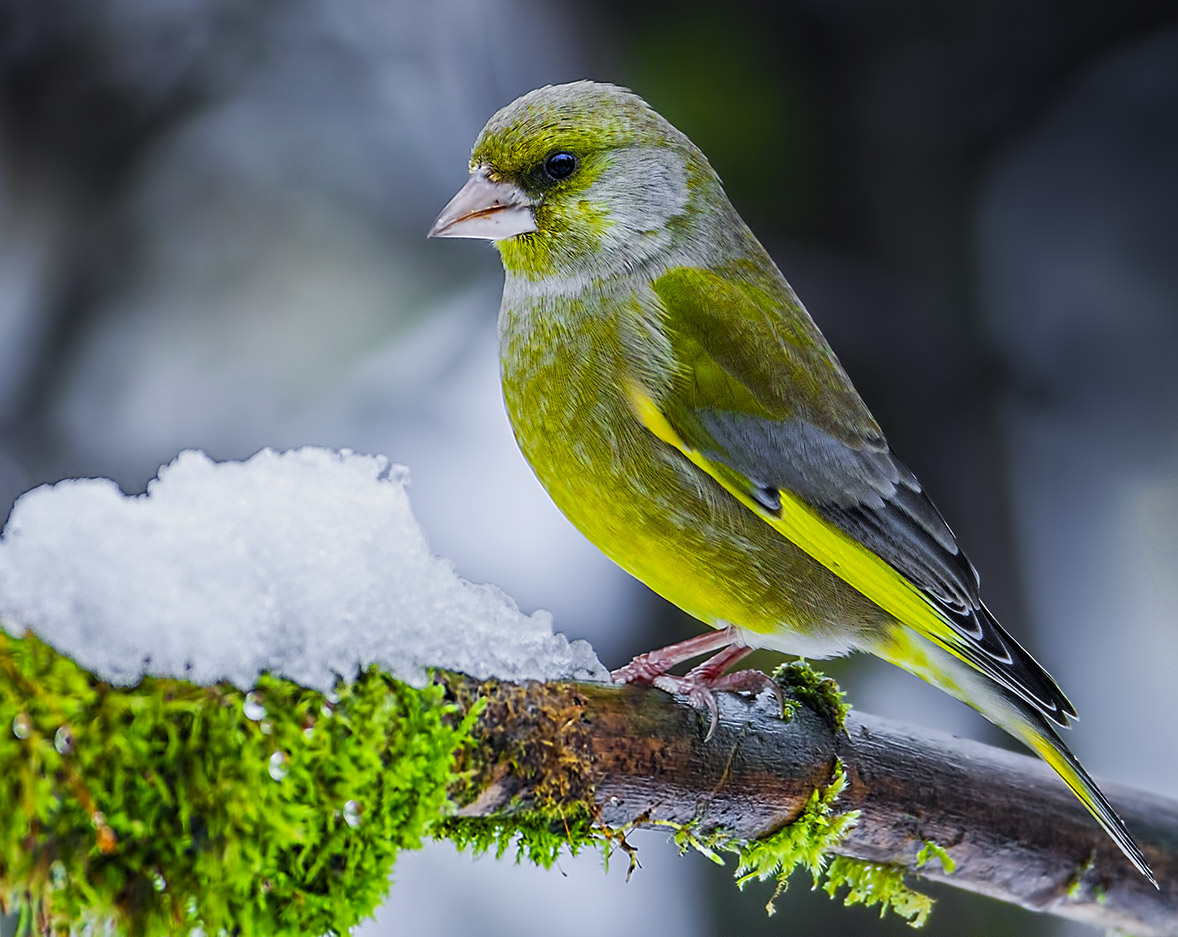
(212, 218)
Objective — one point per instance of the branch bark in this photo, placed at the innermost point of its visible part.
(1013, 829)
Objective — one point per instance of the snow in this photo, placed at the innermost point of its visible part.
(308, 564)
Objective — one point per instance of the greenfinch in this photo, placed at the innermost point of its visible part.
(681, 407)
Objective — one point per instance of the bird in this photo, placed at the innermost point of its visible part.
(680, 406)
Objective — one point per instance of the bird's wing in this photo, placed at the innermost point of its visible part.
(760, 403)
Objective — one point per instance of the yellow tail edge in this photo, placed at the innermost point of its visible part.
(911, 651)
(1044, 742)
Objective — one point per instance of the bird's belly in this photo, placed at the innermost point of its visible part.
(669, 524)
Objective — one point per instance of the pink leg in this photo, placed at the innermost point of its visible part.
(712, 668)
(645, 667)
(700, 683)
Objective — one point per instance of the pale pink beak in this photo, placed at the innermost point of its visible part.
(487, 209)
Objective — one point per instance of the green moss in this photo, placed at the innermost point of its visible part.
(806, 842)
(801, 682)
(536, 836)
(809, 840)
(1075, 887)
(687, 836)
(931, 850)
(871, 883)
(534, 735)
(165, 807)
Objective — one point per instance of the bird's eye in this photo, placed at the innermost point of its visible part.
(560, 165)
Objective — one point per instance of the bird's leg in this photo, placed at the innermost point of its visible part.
(644, 668)
(700, 683)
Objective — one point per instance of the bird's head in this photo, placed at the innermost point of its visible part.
(579, 179)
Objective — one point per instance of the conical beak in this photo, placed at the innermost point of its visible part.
(485, 209)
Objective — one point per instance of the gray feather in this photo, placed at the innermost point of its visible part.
(871, 496)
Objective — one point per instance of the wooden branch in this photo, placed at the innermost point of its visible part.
(1014, 830)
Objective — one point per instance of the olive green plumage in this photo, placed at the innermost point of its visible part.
(679, 404)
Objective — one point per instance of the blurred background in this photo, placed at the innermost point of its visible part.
(212, 218)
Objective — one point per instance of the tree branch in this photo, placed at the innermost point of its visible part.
(1012, 828)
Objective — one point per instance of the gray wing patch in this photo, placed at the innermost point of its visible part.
(863, 489)
(798, 456)
(870, 495)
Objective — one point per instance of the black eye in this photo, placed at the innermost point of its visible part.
(560, 165)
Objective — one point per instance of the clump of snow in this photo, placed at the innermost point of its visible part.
(308, 564)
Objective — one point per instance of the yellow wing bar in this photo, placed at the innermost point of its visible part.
(799, 523)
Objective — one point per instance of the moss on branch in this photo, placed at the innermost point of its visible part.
(166, 807)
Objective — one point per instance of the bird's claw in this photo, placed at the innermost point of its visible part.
(699, 692)
(701, 685)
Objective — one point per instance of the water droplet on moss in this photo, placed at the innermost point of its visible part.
(22, 725)
(63, 740)
(57, 876)
(158, 882)
(252, 707)
(278, 766)
(352, 814)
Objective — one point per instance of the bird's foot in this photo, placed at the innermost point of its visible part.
(700, 684)
(701, 690)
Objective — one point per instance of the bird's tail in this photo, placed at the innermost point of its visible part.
(921, 657)
(1040, 737)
